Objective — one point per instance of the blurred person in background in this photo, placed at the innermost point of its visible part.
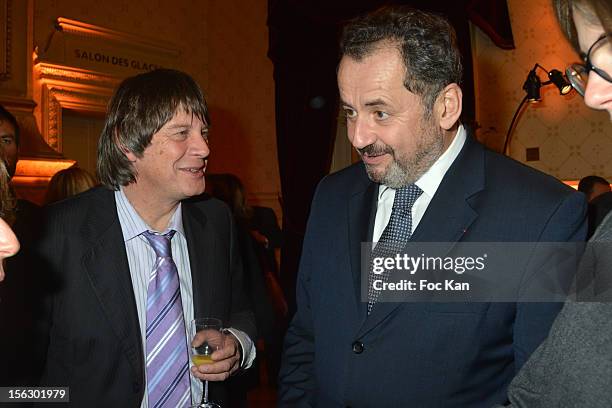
(8, 242)
(8, 245)
(256, 239)
(24, 282)
(68, 182)
(573, 366)
(27, 214)
(593, 186)
(597, 191)
(9, 140)
(7, 199)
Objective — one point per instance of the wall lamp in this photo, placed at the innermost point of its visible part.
(532, 86)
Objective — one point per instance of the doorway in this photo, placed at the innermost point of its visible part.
(80, 134)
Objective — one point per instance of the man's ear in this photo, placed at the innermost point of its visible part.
(128, 153)
(448, 106)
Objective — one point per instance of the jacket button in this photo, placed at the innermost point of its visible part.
(357, 347)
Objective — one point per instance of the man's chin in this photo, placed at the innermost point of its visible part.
(375, 174)
(392, 176)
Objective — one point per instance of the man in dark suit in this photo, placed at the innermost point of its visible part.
(20, 293)
(422, 178)
(116, 251)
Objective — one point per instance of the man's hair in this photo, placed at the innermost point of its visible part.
(426, 42)
(140, 107)
(587, 183)
(595, 11)
(7, 200)
(8, 117)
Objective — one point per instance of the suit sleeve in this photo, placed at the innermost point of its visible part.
(297, 385)
(241, 315)
(47, 256)
(533, 319)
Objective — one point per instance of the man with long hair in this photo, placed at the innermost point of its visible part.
(137, 259)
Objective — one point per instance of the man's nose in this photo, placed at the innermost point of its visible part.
(199, 146)
(360, 133)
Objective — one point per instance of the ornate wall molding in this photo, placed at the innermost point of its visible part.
(83, 29)
(52, 72)
(82, 64)
(53, 124)
(56, 98)
(5, 39)
(70, 88)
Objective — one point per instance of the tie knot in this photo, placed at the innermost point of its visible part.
(160, 242)
(406, 196)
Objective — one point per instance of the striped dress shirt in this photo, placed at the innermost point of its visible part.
(141, 260)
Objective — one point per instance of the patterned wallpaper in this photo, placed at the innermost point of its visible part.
(573, 140)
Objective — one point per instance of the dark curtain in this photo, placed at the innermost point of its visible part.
(304, 50)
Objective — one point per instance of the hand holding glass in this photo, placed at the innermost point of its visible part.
(210, 331)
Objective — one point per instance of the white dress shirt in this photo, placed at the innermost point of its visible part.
(141, 259)
(429, 183)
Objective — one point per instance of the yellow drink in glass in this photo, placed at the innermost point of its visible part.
(201, 359)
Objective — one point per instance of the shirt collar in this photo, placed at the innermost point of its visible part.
(132, 225)
(430, 181)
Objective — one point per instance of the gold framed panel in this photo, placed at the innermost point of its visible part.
(5, 39)
(70, 88)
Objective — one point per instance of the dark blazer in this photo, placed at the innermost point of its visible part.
(419, 354)
(95, 346)
(20, 295)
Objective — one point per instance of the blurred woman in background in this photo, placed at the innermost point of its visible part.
(68, 182)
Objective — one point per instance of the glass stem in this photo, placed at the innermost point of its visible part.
(206, 392)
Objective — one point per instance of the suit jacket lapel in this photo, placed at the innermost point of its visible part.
(449, 214)
(201, 245)
(451, 211)
(361, 207)
(107, 267)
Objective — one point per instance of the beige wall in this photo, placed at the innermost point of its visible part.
(223, 45)
(574, 141)
(241, 95)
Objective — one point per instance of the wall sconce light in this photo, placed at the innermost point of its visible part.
(532, 86)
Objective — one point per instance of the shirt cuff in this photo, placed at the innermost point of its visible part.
(248, 347)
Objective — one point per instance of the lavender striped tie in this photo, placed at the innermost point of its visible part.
(167, 355)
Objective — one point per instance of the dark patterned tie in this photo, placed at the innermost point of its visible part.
(395, 236)
(167, 355)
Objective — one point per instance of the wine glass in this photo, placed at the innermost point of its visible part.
(213, 340)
